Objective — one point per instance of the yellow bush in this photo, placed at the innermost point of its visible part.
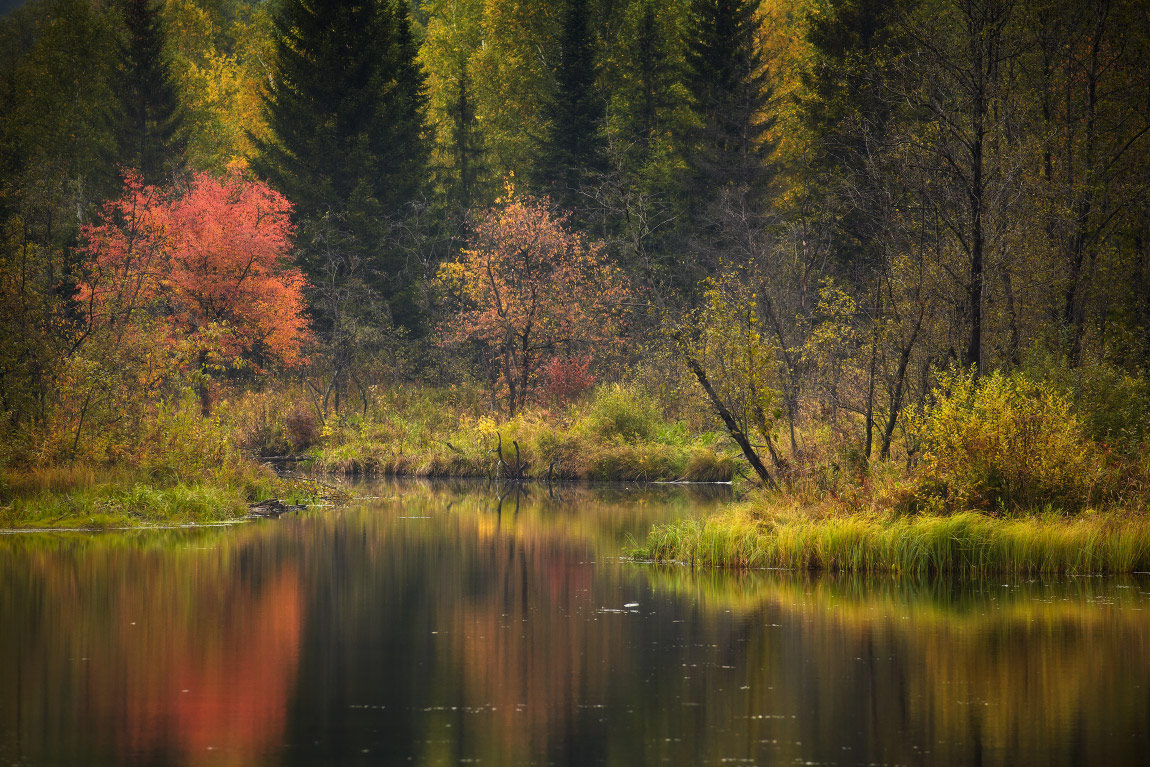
(1004, 443)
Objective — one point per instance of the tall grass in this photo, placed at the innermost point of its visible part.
(615, 435)
(179, 468)
(121, 500)
(967, 543)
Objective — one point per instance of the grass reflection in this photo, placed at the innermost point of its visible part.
(1024, 667)
(436, 624)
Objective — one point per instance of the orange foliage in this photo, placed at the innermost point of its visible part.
(211, 262)
(530, 290)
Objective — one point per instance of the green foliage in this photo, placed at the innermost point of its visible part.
(333, 113)
(57, 156)
(346, 117)
(452, 42)
(574, 149)
(728, 339)
(856, 42)
(123, 502)
(1007, 442)
(152, 137)
(616, 412)
(1112, 403)
(731, 97)
(617, 435)
(649, 97)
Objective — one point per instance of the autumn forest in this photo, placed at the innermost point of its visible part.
(861, 257)
(574, 382)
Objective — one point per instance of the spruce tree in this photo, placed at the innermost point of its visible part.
(847, 108)
(727, 78)
(151, 136)
(346, 116)
(574, 148)
(404, 111)
(466, 144)
(654, 76)
(648, 99)
(846, 102)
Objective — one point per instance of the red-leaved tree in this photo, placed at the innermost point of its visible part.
(529, 290)
(207, 269)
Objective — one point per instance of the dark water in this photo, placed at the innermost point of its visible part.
(428, 627)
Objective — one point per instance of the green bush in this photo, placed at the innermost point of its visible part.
(620, 412)
(1114, 405)
(1006, 443)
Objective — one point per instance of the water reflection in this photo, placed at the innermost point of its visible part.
(435, 625)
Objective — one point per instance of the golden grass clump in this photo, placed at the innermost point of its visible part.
(966, 543)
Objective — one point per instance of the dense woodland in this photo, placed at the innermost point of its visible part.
(805, 216)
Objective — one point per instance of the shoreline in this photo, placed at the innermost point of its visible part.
(754, 535)
(749, 537)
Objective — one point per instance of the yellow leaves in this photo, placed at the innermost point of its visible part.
(508, 189)
(220, 88)
(726, 338)
(1006, 441)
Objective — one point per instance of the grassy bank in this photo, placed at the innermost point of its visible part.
(754, 535)
(614, 436)
(1007, 475)
(91, 498)
(96, 497)
(178, 468)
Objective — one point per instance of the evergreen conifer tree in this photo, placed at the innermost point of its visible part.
(846, 106)
(855, 45)
(404, 110)
(574, 148)
(731, 95)
(151, 136)
(346, 116)
(654, 76)
(466, 143)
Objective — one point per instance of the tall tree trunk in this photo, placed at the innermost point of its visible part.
(899, 386)
(871, 372)
(977, 245)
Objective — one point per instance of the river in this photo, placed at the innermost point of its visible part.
(436, 625)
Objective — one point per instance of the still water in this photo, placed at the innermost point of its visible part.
(434, 626)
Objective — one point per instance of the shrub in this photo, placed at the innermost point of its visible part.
(259, 424)
(1006, 442)
(619, 412)
(566, 378)
(302, 427)
(1114, 405)
(268, 423)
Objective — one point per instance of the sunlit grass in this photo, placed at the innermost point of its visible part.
(965, 543)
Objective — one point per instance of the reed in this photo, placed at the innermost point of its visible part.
(966, 543)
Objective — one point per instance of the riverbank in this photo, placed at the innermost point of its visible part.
(614, 437)
(756, 534)
(94, 498)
